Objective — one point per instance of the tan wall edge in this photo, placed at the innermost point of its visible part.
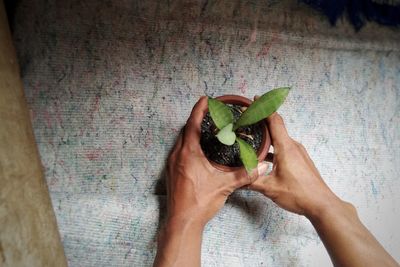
(28, 229)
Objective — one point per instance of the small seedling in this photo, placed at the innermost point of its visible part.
(228, 133)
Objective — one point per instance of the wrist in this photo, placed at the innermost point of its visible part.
(331, 208)
(191, 218)
(177, 229)
(183, 223)
(179, 242)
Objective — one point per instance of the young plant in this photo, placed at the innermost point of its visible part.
(260, 109)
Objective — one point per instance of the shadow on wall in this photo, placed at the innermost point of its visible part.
(11, 7)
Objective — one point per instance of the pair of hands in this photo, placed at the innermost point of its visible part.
(197, 190)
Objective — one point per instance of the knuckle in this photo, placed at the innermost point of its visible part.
(190, 148)
(189, 123)
(282, 142)
(277, 120)
(186, 150)
(178, 155)
(180, 159)
(301, 147)
(275, 116)
(290, 144)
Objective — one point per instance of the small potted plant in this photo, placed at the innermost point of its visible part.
(234, 132)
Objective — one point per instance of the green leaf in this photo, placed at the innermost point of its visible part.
(226, 135)
(247, 155)
(220, 113)
(263, 107)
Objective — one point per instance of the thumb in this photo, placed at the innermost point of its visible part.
(242, 177)
(265, 184)
(261, 170)
(277, 129)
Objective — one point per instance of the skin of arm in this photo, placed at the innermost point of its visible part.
(196, 191)
(296, 185)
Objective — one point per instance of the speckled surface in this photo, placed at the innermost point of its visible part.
(110, 83)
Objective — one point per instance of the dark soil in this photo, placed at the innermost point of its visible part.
(223, 154)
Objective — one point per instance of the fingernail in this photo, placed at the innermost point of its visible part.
(262, 168)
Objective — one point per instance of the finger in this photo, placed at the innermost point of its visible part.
(241, 177)
(277, 129)
(193, 124)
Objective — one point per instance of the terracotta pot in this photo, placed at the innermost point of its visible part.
(266, 140)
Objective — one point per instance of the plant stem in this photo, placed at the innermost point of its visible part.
(246, 135)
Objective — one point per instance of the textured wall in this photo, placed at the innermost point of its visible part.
(110, 83)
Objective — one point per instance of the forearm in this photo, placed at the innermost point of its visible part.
(179, 244)
(347, 240)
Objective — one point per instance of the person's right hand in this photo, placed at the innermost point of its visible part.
(294, 182)
(296, 185)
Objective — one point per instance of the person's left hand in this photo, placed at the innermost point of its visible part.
(196, 190)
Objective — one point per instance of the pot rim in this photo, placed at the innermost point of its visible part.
(266, 139)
